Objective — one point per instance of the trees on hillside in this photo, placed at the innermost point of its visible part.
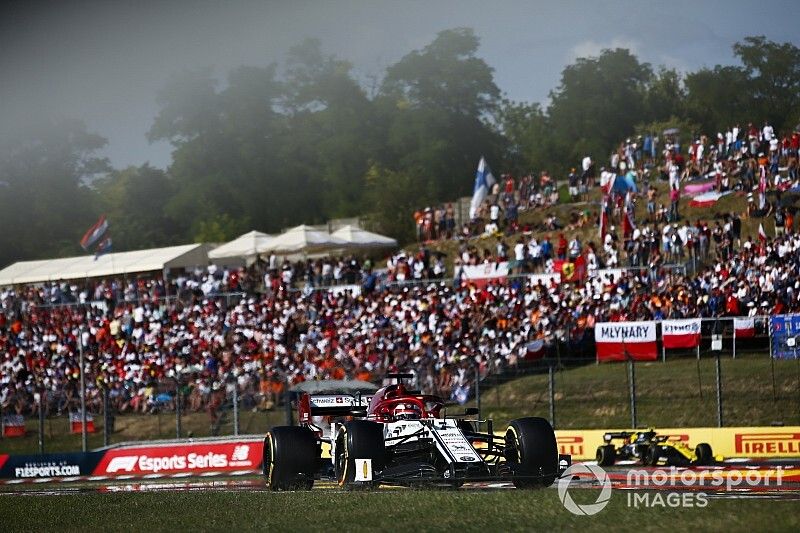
(302, 141)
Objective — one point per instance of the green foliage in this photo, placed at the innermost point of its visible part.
(45, 203)
(303, 141)
(598, 102)
(392, 197)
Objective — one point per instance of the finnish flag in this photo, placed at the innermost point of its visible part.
(483, 183)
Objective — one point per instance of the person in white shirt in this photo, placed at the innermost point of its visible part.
(767, 132)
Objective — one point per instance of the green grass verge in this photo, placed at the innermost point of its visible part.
(375, 511)
(677, 393)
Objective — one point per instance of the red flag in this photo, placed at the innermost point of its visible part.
(627, 224)
(574, 270)
(603, 220)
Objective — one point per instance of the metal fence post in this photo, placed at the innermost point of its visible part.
(84, 436)
(42, 403)
(552, 387)
(178, 407)
(632, 377)
(719, 392)
(235, 407)
(106, 417)
(478, 391)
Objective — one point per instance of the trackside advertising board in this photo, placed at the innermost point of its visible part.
(191, 458)
(753, 442)
(48, 465)
(785, 330)
(680, 333)
(620, 341)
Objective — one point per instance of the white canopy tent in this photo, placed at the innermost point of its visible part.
(360, 238)
(304, 240)
(185, 256)
(246, 246)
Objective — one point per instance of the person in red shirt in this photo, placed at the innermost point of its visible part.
(561, 249)
(509, 185)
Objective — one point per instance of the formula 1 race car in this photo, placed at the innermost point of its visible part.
(401, 437)
(650, 448)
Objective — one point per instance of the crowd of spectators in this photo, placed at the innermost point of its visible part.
(262, 328)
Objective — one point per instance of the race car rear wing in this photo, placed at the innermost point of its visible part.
(332, 405)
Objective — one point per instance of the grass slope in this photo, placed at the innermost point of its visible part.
(677, 393)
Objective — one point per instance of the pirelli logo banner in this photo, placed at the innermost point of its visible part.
(754, 442)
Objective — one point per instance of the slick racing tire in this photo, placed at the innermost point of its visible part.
(606, 455)
(703, 453)
(652, 456)
(530, 443)
(358, 439)
(291, 457)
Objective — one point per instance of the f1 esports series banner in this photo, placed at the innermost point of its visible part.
(680, 333)
(196, 458)
(785, 330)
(621, 341)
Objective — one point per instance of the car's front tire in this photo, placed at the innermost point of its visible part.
(358, 439)
(291, 457)
(704, 454)
(531, 443)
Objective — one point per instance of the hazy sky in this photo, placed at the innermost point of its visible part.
(104, 61)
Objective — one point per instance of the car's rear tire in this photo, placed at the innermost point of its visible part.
(358, 439)
(704, 454)
(652, 456)
(531, 443)
(291, 458)
(606, 455)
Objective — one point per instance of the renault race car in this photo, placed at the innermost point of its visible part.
(650, 448)
(402, 437)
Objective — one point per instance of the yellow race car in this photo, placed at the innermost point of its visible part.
(651, 449)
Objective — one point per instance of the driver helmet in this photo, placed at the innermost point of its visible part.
(407, 411)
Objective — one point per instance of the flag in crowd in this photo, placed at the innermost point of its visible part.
(95, 234)
(483, 184)
(76, 423)
(628, 225)
(603, 219)
(13, 426)
(103, 248)
(744, 327)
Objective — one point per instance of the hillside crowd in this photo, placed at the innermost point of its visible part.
(256, 329)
